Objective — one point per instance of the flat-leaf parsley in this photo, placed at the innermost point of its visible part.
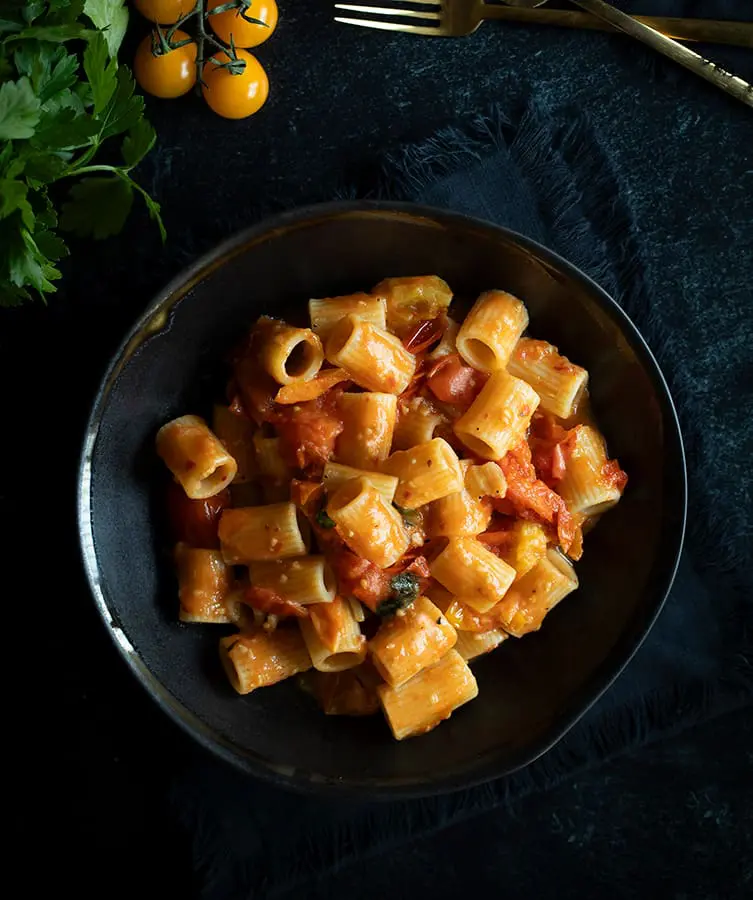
(62, 95)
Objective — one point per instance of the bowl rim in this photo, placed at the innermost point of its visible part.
(153, 320)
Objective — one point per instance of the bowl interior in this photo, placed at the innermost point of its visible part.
(530, 691)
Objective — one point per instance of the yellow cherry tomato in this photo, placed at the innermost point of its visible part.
(164, 12)
(234, 21)
(235, 96)
(169, 74)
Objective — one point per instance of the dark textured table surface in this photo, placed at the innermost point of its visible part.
(671, 819)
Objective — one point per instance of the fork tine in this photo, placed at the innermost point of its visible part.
(387, 11)
(388, 26)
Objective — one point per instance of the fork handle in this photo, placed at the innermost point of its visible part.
(718, 76)
(738, 34)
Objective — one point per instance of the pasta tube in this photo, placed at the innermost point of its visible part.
(447, 344)
(369, 526)
(415, 424)
(374, 358)
(487, 480)
(203, 584)
(428, 698)
(236, 434)
(368, 426)
(412, 300)
(527, 545)
(290, 354)
(308, 579)
(491, 330)
(196, 457)
(333, 636)
(274, 471)
(263, 658)
(342, 693)
(459, 515)
(325, 314)
(253, 533)
(426, 472)
(472, 644)
(558, 382)
(335, 475)
(591, 483)
(524, 606)
(499, 417)
(472, 573)
(410, 641)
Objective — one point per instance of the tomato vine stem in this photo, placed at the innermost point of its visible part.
(203, 37)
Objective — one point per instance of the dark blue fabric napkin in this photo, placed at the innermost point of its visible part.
(548, 175)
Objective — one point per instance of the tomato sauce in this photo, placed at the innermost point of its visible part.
(452, 381)
(194, 522)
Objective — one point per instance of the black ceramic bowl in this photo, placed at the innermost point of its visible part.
(530, 691)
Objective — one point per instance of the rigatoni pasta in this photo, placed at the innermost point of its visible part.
(371, 528)
(333, 636)
(430, 697)
(559, 383)
(263, 658)
(254, 533)
(590, 484)
(336, 474)
(290, 354)
(472, 644)
(304, 580)
(196, 457)
(459, 515)
(411, 641)
(368, 426)
(325, 314)
(472, 573)
(491, 330)
(499, 417)
(401, 487)
(375, 359)
(416, 423)
(524, 606)
(204, 583)
(236, 434)
(413, 300)
(425, 473)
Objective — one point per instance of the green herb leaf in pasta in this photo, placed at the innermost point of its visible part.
(403, 592)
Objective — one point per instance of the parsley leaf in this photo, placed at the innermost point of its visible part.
(98, 207)
(13, 196)
(404, 590)
(55, 33)
(111, 16)
(405, 585)
(410, 516)
(19, 110)
(100, 72)
(323, 520)
(62, 128)
(62, 96)
(26, 264)
(137, 143)
(62, 76)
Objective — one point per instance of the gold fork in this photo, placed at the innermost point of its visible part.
(455, 18)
